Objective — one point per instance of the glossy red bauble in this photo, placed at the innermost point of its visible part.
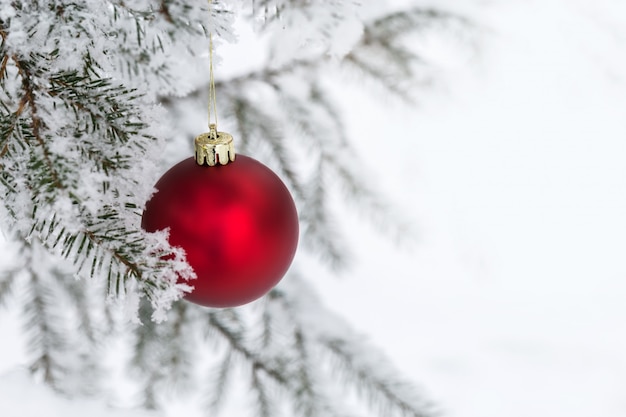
(237, 223)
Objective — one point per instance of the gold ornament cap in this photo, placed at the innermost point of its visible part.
(214, 148)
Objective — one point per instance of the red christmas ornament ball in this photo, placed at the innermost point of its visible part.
(237, 223)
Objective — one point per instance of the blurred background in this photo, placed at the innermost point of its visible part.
(507, 299)
(512, 301)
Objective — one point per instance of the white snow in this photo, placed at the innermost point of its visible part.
(22, 397)
(511, 302)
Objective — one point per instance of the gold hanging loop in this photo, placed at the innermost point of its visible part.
(213, 148)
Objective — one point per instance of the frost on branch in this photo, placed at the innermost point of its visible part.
(78, 146)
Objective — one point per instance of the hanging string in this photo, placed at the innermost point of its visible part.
(212, 96)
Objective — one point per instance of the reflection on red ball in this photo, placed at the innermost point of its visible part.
(237, 223)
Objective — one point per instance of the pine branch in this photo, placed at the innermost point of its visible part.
(382, 55)
(364, 368)
(255, 125)
(145, 357)
(220, 378)
(100, 123)
(179, 358)
(163, 353)
(91, 250)
(264, 402)
(322, 234)
(36, 124)
(60, 353)
(237, 344)
(163, 29)
(386, 391)
(418, 19)
(7, 280)
(265, 372)
(78, 294)
(45, 339)
(307, 399)
(289, 368)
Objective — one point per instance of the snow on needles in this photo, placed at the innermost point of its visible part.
(332, 27)
(94, 71)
